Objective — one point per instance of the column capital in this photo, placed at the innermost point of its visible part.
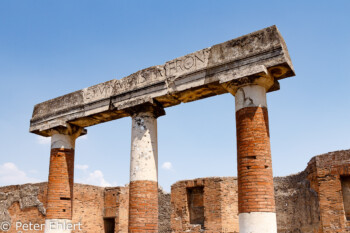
(151, 107)
(262, 78)
(69, 130)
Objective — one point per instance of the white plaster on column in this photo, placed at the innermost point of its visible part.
(144, 148)
(62, 141)
(257, 222)
(250, 96)
(60, 226)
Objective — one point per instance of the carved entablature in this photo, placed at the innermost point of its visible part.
(257, 57)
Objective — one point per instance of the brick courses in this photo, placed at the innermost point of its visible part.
(309, 202)
(143, 206)
(255, 180)
(324, 173)
(60, 185)
(219, 203)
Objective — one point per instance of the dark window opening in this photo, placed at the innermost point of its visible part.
(109, 225)
(65, 198)
(195, 205)
(345, 184)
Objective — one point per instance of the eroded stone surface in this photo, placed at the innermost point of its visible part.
(26, 195)
(208, 72)
(144, 148)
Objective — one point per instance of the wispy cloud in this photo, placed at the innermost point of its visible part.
(11, 174)
(95, 178)
(82, 167)
(167, 166)
(43, 140)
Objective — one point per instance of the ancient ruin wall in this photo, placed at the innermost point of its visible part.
(328, 174)
(26, 204)
(209, 204)
(308, 202)
(296, 204)
(116, 205)
(91, 205)
(88, 208)
(164, 211)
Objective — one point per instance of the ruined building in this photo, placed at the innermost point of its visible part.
(314, 200)
(247, 67)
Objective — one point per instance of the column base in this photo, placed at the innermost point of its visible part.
(58, 226)
(257, 222)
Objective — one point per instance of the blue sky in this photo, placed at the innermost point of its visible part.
(50, 48)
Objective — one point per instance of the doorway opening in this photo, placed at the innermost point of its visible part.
(109, 224)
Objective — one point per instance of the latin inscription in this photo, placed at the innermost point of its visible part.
(180, 66)
(98, 92)
(187, 64)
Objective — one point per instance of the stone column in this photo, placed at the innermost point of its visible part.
(256, 199)
(143, 189)
(61, 180)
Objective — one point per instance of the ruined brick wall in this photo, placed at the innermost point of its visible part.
(313, 201)
(27, 204)
(219, 202)
(23, 203)
(88, 205)
(116, 205)
(325, 173)
(296, 204)
(164, 211)
(229, 206)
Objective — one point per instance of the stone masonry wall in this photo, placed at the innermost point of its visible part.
(313, 201)
(27, 203)
(219, 201)
(164, 211)
(116, 205)
(296, 204)
(91, 204)
(24, 203)
(325, 173)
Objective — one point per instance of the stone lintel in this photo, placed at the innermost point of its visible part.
(212, 71)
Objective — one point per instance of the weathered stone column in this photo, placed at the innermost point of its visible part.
(143, 189)
(257, 212)
(61, 180)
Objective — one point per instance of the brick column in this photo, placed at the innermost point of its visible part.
(61, 181)
(143, 190)
(257, 212)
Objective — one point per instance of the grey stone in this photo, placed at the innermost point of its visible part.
(208, 72)
(26, 195)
